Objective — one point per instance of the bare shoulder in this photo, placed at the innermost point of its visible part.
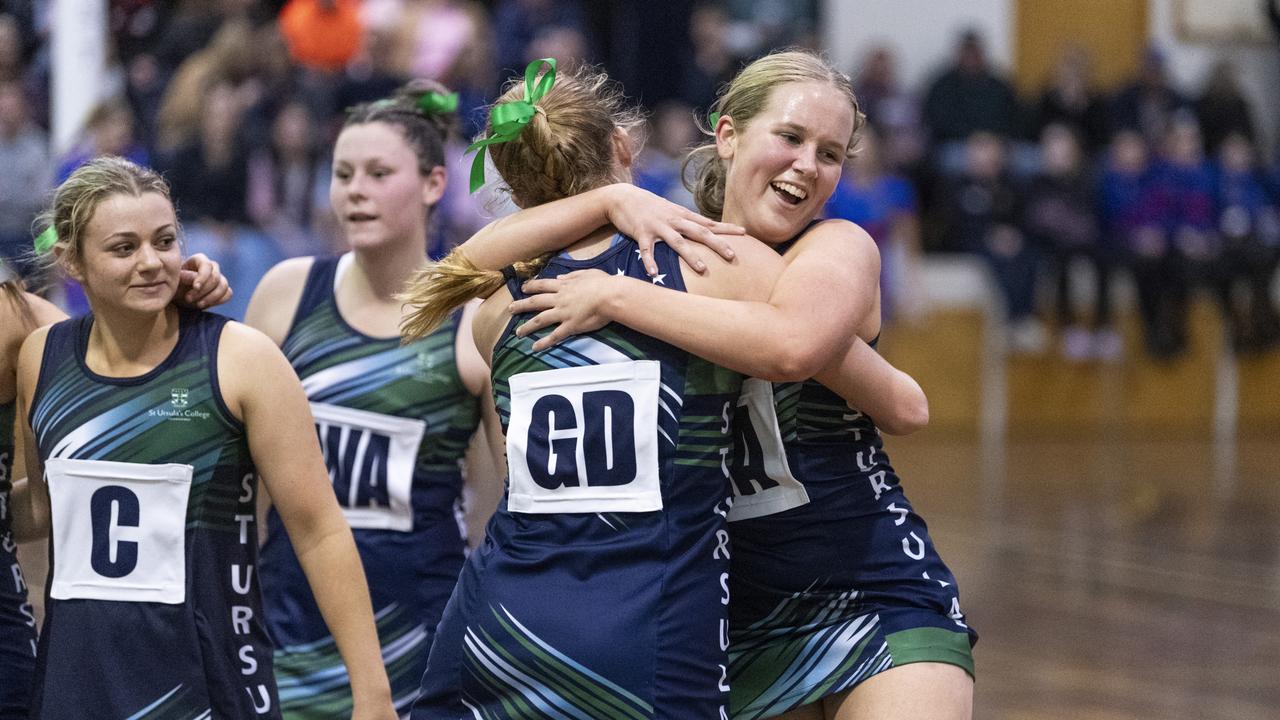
(29, 357)
(749, 276)
(490, 320)
(276, 298)
(250, 367)
(836, 240)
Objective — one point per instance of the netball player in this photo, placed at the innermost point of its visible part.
(20, 313)
(394, 419)
(841, 606)
(144, 427)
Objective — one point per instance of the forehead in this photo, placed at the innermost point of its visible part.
(124, 212)
(370, 140)
(814, 105)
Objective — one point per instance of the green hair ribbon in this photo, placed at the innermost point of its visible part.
(46, 240)
(508, 119)
(437, 103)
(714, 118)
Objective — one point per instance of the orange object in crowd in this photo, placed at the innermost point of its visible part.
(322, 34)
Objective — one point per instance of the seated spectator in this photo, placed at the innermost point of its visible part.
(285, 179)
(968, 97)
(209, 177)
(108, 131)
(1134, 219)
(984, 211)
(1147, 104)
(1070, 100)
(671, 132)
(893, 111)
(1249, 222)
(1184, 178)
(27, 176)
(884, 204)
(1222, 108)
(1060, 216)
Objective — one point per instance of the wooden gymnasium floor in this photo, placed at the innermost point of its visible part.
(1115, 529)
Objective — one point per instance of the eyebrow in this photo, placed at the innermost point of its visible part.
(129, 234)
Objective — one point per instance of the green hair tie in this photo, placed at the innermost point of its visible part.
(714, 118)
(46, 240)
(508, 119)
(437, 103)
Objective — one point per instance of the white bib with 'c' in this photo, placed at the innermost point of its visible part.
(119, 530)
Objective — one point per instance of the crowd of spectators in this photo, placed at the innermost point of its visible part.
(237, 102)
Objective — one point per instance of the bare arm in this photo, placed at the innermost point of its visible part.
(557, 225)
(810, 318)
(283, 443)
(486, 463)
(275, 300)
(868, 382)
(29, 502)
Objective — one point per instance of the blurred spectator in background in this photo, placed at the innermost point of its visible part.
(1147, 104)
(1249, 222)
(1070, 100)
(1060, 216)
(517, 22)
(209, 176)
(894, 112)
(27, 175)
(108, 131)
(670, 132)
(285, 179)
(984, 216)
(967, 98)
(1186, 183)
(1133, 219)
(14, 67)
(322, 35)
(883, 202)
(227, 61)
(1222, 108)
(714, 60)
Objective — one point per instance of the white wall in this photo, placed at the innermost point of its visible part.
(922, 33)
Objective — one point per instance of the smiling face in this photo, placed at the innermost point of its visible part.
(129, 257)
(784, 165)
(376, 190)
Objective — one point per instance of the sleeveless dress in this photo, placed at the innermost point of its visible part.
(834, 578)
(153, 609)
(601, 589)
(394, 421)
(17, 624)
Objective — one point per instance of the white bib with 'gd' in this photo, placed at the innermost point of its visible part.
(556, 414)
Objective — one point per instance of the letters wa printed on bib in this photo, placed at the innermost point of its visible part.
(371, 460)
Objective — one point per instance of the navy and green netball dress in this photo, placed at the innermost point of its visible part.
(394, 421)
(834, 577)
(153, 608)
(17, 624)
(601, 589)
